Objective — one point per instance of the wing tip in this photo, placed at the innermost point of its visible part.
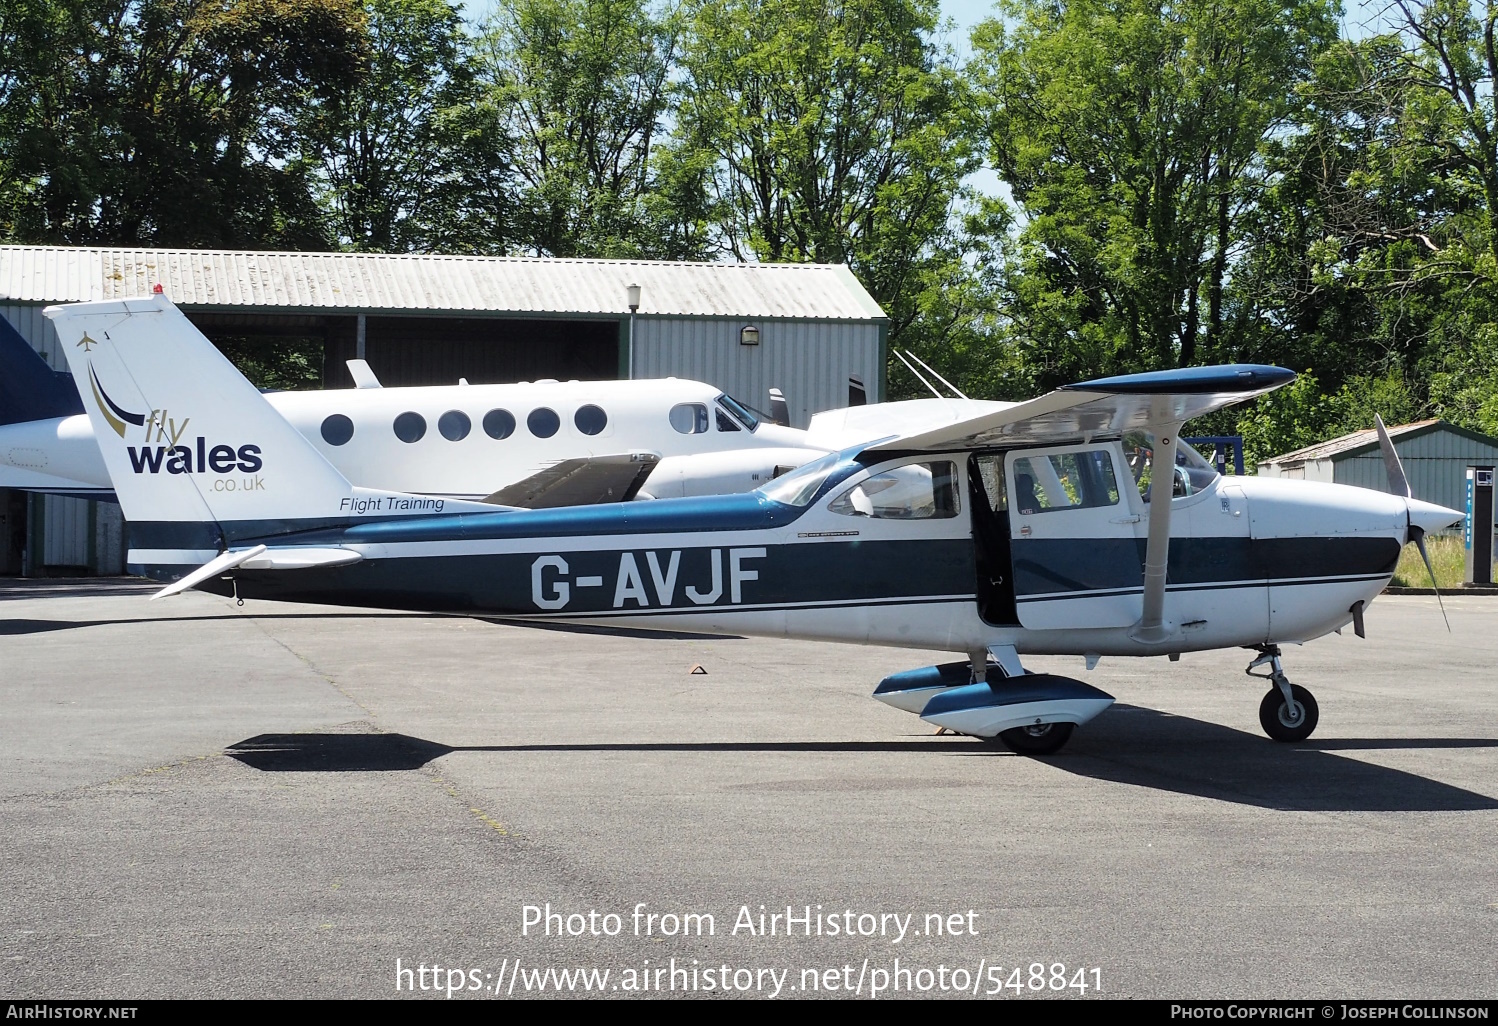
(1226, 378)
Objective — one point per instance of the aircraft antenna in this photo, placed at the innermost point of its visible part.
(938, 377)
(918, 375)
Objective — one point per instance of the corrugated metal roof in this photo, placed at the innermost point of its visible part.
(381, 282)
(1351, 444)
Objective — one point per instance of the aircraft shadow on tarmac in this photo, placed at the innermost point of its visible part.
(1131, 745)
(18, 627)
(610, 632)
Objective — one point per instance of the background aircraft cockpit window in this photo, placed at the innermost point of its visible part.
(543, 423)
(1071, 480)
(725, 422)
(689, 418)
(916, 491)
(740, 412)
(801, 485)
(1192, 474)
(410, 427)
(499, 424)
(454, 425)
(337, 429)
(590, 419)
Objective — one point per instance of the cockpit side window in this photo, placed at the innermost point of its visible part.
(1192, 471)
(916, 491)
(725, 422)
(738, 411)
(1070, 480)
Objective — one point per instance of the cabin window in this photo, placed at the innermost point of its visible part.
(1069, 480)
(337, 429)
(454, 425)
(916, 491)
(410, 427)
(543, 423)
(590, 419)
(499, 424)
(689, 418)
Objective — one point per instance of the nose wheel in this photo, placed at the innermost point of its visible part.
(1288, 712)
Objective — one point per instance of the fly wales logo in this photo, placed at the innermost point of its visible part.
(168, 447)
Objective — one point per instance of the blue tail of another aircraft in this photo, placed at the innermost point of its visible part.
(29, 389)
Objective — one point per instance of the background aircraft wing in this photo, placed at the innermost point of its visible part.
(580, 482)
(1104, 408)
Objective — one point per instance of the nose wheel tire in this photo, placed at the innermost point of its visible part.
(1283, 723)
(1039, 739)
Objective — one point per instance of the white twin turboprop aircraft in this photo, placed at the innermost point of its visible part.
(532, 444)
(1022, 530)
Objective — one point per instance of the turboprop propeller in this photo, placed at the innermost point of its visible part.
(1430, 513)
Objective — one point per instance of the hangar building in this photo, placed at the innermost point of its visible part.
(810, 329)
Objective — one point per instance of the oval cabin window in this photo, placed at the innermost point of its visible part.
(499, 424)
(454, 425)
(410, 427)
(543, 423)
(590, 419)
(337, 429)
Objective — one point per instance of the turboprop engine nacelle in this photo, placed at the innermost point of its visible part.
(719, 473)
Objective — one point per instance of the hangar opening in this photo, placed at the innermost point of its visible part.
(309, 351)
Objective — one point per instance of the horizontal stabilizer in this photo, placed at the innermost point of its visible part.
(261, 557)
(225, 561)
(580, 482)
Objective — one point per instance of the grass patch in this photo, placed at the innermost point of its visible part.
(1447, 554)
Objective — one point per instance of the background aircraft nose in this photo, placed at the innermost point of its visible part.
(1427, 516)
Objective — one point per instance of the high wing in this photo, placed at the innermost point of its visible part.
(580, 482)
(1106, 407)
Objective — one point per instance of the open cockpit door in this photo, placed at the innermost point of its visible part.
(1075, 536)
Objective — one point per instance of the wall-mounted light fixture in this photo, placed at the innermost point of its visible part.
(748, 335)
(634, 298)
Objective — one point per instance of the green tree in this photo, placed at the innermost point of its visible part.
(1130, 132)
(584, 91)
(168, 121)
(413, 157)
(839, 133)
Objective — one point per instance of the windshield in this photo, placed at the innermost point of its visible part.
(739, 410)
(1192, 472)
(800, 486)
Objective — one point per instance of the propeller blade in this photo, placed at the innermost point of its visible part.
(1398, 483)
(780, 411)
(1418, 537)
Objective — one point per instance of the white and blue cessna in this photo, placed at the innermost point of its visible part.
(1023, 530)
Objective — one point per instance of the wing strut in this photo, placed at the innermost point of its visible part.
(1151, 627)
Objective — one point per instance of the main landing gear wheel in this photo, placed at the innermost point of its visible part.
(1284, 722)
(1037, 739)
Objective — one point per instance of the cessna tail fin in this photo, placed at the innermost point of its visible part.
(184, 435)
(200, 461)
